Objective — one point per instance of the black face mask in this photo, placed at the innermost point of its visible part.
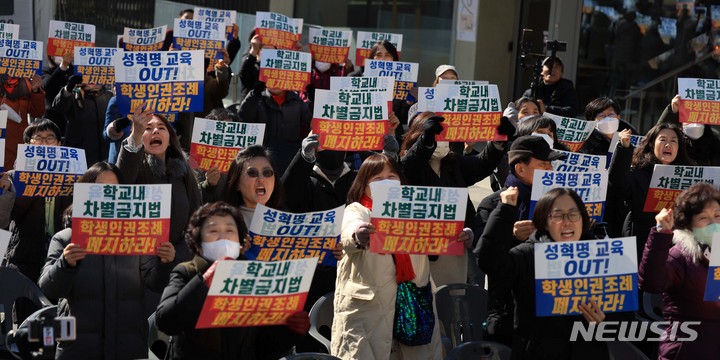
(330, 160)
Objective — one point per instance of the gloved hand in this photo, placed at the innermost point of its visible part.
(390, 145)
(259, 88)
(73, 81)
(431, 128)
(310, 147)
(121, 123)
(511, 113)
(466, 236)
(506, 128)
(362, 234)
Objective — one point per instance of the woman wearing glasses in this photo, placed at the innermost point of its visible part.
(559, 216)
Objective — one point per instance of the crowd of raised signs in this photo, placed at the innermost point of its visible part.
(128, 189)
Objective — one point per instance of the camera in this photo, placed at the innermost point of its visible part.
(49, 330)
(556, 46)
(39, 333)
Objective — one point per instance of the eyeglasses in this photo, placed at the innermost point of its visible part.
(47, 139)
(557, 218)
(254, 173)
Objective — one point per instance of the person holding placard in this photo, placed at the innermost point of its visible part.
(83, 106)
(526, 154)
(20, 97)
(216, 232)
(286, 117)
(369, 284)
(105, 294)
(703, 145)
(675, 263)
(386, 51)
(55, 77)
(607, 114)
(152, 155)
(431, 163)
(250, 67)
(559, 215)
(630, 172)
(251, 180)
(320, 76)
(34, 220)
(521, 110)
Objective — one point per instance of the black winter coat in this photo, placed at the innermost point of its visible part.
(598, 144)
(631, 185)
(286, 125)
(535, 337)
(105, 294)
(86, 124)
(705, 150)
(179, 311)
(559, 98)
(305, 190)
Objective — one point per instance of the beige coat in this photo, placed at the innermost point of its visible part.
(364, 301)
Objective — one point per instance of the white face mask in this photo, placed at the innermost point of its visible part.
(218, 249)
(526, 117)
(607, 125)
(322, 66)
(694, 131)
(545, 137)
(441, 150)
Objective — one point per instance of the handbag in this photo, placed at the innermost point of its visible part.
(414, 318)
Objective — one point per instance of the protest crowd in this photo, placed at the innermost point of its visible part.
(332, 203)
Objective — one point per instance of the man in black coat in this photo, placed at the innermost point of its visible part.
(556, 95)
(527, 154)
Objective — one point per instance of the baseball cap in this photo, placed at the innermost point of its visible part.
(443, 68)
(532, 146)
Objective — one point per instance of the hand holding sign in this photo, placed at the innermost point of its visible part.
(5, 182)
(624, 138)
(466, 237)
(665, 221)
(74, 253)
(213, 176)
(210, 272)
(299, 322)
(509, 196)
(362, 234)
(675, 104)
(592, 312)
(431, 128)
(166, 252)
(256, 46)
(67, 59)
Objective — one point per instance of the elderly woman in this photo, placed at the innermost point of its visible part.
(675, 263)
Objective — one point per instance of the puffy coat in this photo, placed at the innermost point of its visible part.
(364, 302)
(105, 294)
(674, 265)
(178, 313)
(286, 125)
(85, 125)
(535, 337)
(455, 171)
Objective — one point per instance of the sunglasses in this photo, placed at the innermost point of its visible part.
(254, 173)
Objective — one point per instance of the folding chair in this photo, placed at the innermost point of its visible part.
(461, 310)
(321, 317)
(15, 286)
(158, 341)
